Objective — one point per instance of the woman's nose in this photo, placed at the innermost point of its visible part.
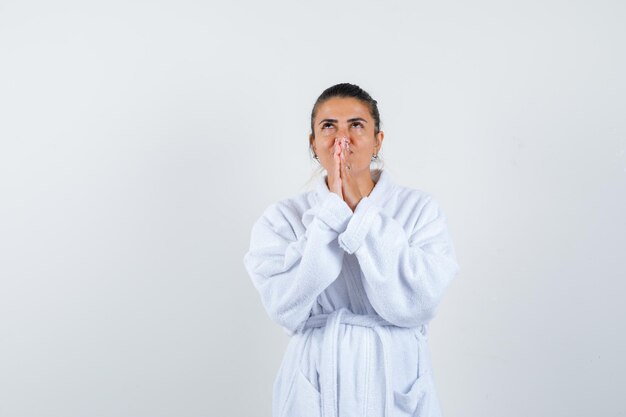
(343, 132)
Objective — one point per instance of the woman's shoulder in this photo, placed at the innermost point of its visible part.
(289, 208)
(414, 204)
(390, 191)
(413, 192)
(411, 196)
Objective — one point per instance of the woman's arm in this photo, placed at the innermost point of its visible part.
(404, 274)
(289, 271)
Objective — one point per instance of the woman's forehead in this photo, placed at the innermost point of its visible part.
(341, 108)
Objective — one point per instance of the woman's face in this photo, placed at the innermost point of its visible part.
(346, 117)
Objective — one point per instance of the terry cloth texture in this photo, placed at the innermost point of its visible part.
(355, 291)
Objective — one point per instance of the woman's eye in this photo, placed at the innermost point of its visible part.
(357, 124)
(325, 125)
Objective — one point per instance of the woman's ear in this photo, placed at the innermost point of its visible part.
(311, 140)
(380, 136)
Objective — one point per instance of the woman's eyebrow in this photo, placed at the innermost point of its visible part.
(354, 119)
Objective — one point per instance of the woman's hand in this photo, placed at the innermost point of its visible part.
(334, 176)
(351, 192)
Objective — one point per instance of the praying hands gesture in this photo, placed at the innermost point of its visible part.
(340, 178)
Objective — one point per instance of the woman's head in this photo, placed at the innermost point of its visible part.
(346, 110)
(347, 90)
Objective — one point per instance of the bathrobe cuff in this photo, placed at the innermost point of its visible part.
(334, 212)
(358, 226)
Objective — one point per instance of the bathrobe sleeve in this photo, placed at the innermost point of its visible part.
(293, 258)
(405, 271)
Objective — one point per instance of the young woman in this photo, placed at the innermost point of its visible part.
(353, 270)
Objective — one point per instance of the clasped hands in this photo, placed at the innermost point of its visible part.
(340, 179)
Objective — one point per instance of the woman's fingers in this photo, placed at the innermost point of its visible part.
(344, 168)
(345, 147)
(334, 175)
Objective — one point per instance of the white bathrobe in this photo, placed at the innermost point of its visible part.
(356, 292)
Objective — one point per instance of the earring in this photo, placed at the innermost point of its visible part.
(315, 156)
(374, 157)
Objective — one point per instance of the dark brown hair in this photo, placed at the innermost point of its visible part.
(348, 90)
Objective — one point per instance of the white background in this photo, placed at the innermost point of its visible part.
(140, 141)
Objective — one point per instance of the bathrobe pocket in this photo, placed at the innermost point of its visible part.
(303, 399)
(420, 399)
(417, 401)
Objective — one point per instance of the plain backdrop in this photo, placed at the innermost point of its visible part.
(139, 141)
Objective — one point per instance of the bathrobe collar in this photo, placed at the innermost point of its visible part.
(383, 186)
